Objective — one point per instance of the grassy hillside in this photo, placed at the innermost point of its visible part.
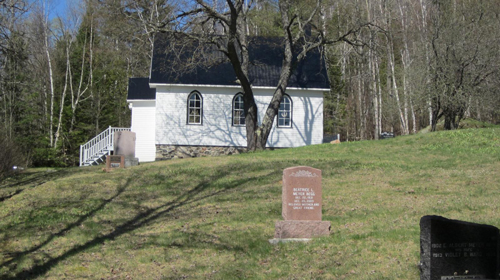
(464, 124)
(212, 217)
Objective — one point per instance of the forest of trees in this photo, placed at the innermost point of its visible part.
(394, 65)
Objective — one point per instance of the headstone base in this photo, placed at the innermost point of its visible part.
(470, 277)
(131, 161)
(275, 241)
(301, 229)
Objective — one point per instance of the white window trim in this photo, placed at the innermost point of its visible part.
(289, 112)
(189, 108)
(234, 110)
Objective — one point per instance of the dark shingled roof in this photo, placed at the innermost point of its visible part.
(138, 88)
(196, 63)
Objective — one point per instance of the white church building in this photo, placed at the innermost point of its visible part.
(199, 111)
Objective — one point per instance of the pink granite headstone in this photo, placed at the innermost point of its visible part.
(301, 205)
(301, 194)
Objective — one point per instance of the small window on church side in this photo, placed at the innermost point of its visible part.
(238, 110)
(195, 108)
(285, 112)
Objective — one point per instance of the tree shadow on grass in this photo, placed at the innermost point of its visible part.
(141, 219)
(16, 192)
(34, 178)
(213, 185)
(17, 183)
(16, 256)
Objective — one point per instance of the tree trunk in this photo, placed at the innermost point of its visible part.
(427, 58)
(413, 116)
(375, 101)
(372, 75)
(76, 96)
(257, 135)
(286, 70)
(402, 119)
(51, 81)
(391, 76)
(361, 129)
(449, 120)
(63, 96)
(405, 58)
(379, 89)
(435, 113)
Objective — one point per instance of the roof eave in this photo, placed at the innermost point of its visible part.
(135, 100)
(155, 85)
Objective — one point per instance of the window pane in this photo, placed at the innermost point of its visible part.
(285, 112)
(238, 102)
(236, 116)
(238, 110)
(195, 105)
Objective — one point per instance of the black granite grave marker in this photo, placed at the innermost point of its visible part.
(452, 249)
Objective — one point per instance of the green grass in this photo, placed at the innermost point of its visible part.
(212, 217)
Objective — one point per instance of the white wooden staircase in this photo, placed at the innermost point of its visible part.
(94, 151)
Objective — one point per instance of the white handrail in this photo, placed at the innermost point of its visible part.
(100, 143)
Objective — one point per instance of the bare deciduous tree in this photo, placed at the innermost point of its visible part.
(230, 21)
(464, 63)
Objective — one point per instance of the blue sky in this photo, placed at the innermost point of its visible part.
(58, 7)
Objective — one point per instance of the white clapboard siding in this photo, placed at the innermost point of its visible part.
(143, 124)
(217, 129)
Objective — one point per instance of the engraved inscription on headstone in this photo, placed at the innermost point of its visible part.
(301, 194)
(113, 162)
(451, 249)
(115, 159)
(463, 277)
